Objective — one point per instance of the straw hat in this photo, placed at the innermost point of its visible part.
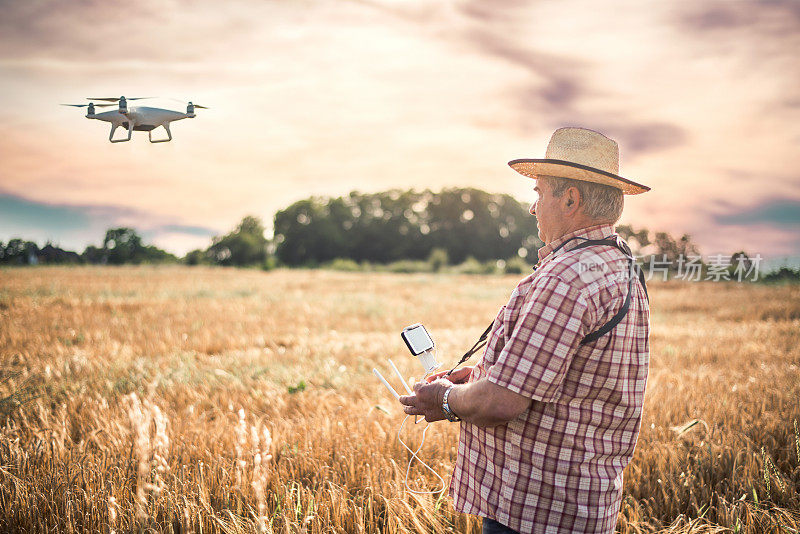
(580, 154)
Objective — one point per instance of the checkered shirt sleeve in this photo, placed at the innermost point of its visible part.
(537, 354)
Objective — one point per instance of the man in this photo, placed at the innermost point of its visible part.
(551, 413)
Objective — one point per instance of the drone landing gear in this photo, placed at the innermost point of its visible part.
(169, 135)
(111, 135)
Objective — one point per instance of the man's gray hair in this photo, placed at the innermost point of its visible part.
(601, 202)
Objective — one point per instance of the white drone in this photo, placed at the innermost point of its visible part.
(136, 118)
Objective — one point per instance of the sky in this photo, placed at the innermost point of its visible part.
(327, 97)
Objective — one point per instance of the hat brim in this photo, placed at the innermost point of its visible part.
(533, 168)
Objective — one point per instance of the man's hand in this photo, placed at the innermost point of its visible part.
(427, 399)
(459, 376)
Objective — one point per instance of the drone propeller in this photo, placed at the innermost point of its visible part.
(184, 102)
(87, 105)
(117, 98)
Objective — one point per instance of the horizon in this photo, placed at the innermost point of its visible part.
(767, 263)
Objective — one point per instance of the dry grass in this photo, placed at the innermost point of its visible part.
(163, 402)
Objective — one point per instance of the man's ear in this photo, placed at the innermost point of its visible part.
(573, 197)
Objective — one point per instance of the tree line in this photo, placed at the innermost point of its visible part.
(453, 226)
(405, 225)
(407, 230)
(120, 246)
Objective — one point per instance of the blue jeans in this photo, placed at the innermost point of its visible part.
(490, 526)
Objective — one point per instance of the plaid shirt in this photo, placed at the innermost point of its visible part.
(558, 466)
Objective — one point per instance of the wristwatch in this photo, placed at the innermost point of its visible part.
(448, 413)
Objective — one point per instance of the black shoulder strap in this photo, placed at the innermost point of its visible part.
(475, 348)
(612, 241)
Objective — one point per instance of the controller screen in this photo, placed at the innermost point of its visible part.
(419, 339)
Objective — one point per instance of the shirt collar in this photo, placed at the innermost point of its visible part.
(598, 231)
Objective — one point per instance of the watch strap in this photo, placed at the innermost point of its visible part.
(448, 413)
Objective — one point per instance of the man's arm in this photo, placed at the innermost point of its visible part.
(481, 403)
(531, 365)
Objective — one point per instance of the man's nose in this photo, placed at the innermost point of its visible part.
(532, 209)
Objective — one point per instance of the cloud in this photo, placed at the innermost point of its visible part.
(200, 231)
(640, 138)
(782, 213)
(560, 89)
(85, 224)
(767, 17)
(713, 17)
(18, 213)
(763, 239)
(753, 39)
(554, 82)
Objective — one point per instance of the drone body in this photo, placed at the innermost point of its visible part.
(132, 119)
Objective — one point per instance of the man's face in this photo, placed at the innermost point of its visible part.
(547, 210)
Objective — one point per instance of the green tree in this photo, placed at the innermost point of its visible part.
(122, 245)
(153, 254)
(397, 225)
(438, 259)
(245, 245)
(19, 252)
(673, 249)
(196, 257)
(94, 255)
(313, 230)
(635, 239)
(52, 254)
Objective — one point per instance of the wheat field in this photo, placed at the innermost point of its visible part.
(175, 399)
